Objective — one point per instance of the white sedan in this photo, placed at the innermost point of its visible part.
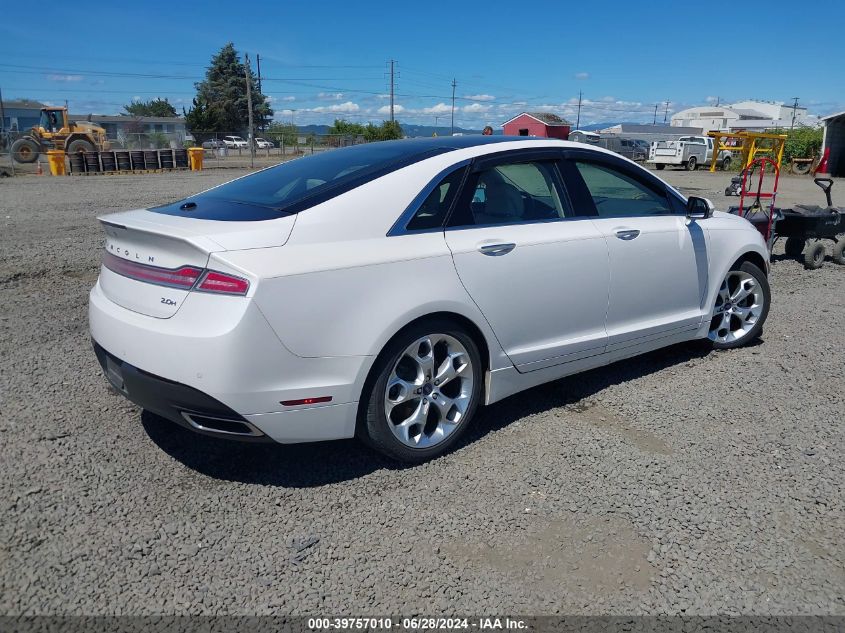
(388, 290)
(235, 142)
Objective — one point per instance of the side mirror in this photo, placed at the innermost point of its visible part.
(699, 208)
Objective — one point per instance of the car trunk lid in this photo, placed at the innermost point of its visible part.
(152, 261)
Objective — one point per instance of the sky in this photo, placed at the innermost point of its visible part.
(330, 59)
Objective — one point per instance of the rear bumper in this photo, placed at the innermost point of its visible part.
(219, 357)
(179, 403)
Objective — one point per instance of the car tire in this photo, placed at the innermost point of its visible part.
(794, 246)
(814, 256)
(745, 290)
(839, 251)
(660, 166)
(25, 150)
(726, 164)
(401, 415)
(691, 164)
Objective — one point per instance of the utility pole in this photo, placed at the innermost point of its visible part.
(654, 121)
(578, 120)
(794, 108)
(454, 83)
(249, 107)
(258, 67)
(392, 92)
(2, 114)
(666, 113)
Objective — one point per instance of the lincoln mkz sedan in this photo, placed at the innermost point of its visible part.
(388, 290)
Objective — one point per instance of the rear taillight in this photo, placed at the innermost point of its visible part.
(213, 281)
(184, 277)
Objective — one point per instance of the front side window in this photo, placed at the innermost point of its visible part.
(616, 194)
(510, 193)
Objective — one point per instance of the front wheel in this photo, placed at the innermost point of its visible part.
(79, 145)
(726, 164)
(427, 386)
(741, 308)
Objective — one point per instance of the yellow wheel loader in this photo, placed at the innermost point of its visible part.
(54, 131)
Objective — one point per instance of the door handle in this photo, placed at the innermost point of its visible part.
(495, 250)
(628, 234)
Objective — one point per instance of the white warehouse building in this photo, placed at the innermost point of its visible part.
(753, 116)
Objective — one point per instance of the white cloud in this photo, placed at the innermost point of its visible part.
(330, 96)
(347, 106)
(711, 99)
(582, 75)
(440, 108)
(475, 107)
(386, 109)
(480, 97)
(288, 98)
(65, 77)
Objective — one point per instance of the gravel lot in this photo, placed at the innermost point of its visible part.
(681, 481)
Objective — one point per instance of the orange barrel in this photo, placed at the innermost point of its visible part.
(195, 157)
(56, 158)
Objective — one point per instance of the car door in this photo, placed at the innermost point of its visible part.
(658, 258)
(538, 274)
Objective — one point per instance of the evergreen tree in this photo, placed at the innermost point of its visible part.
(221, 104)
(153, 107)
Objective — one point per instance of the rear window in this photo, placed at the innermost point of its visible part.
(300, 183)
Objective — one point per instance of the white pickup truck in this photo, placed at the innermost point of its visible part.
(679, 153)
(688, 152)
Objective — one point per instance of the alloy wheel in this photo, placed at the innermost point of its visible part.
(429, 390)
(739, 304)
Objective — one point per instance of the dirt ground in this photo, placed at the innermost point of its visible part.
(684, 481)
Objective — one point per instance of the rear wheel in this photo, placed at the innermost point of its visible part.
(427, 387)
(79, 145)
(660, 166)
(692, 163)
(741, 308)
(814, 257)
(839, 251)
(25, 150)
(794, 246)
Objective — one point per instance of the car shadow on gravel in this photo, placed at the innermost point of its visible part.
(317, 464)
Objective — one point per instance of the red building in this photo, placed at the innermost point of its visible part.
(543, 124)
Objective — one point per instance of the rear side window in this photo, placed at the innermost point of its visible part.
(510, 193)
(616, 194)
(300, 183)
(432, 212)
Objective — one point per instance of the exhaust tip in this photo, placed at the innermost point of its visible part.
(222, 426)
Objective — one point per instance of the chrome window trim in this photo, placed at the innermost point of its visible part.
(400, 226)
